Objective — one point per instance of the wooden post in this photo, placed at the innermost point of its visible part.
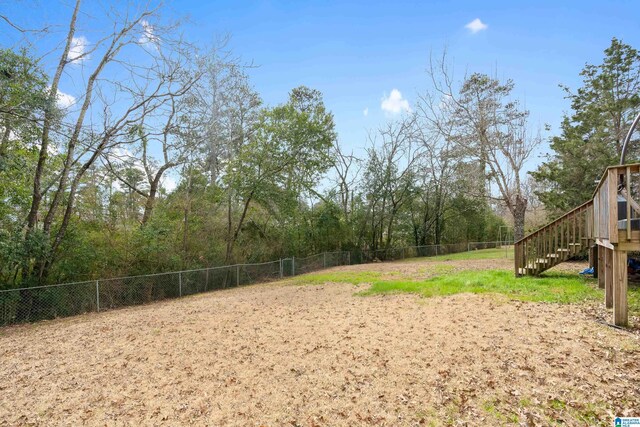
(608, 281)
(612, 182)
(628, 198)
(593, 257)
(620, 313)
(601, 266)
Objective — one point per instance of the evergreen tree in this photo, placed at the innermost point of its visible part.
(592, 135)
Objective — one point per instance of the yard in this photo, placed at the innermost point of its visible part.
(439, 341)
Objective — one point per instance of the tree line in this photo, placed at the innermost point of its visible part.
(85, 184)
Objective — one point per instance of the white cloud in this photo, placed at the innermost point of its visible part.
(394, 103)
(123, 156)
(366, 112)
(476, 26)
(148, 34)
(119, 155)
(169, 184)
(77, 49)
(65, 100)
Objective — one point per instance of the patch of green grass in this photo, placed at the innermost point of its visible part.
(354, 277)
(633, 297)
(440, 269)
(479, 254)
(491, 408)
(525, 402)
(557, 404)
(551, 287)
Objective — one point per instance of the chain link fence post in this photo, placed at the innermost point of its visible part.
(238, 275)
(97, 295)
(180, 283)
(293, 266)
(281, 272)
(324, 260)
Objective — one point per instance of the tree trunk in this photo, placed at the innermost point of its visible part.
(150, 202)
(36, 197)
(153, 192)
(5, 140)
(519, 211)
(232, 238)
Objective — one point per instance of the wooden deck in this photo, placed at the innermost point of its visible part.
(606, 227)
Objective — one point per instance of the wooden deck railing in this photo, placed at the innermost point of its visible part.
(597, 220)
(562, 238)
(617, 189)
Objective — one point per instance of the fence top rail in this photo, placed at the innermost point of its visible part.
(85, 282)
(251, 263)
(307, 257)
(434, 246)
(141, 276)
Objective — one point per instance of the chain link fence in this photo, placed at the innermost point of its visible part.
(68, 299)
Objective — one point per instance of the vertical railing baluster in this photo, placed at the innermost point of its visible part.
(628, 189)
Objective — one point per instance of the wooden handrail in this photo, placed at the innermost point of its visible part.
(555, 221)
(602, 180)
(606, 173)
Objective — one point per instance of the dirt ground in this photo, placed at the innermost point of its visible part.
(282, 354)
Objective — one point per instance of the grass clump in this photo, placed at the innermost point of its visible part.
(353, 277)
(551, 287)
(499, 253)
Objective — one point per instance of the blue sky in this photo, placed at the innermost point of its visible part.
(358, 52)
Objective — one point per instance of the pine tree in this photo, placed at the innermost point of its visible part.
(592, 135)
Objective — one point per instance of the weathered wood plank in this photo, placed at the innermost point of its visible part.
(608, 283)
(601, 266)
(620, 312)
(612, 208)
(628, 190)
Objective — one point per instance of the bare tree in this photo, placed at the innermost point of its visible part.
(347, 168)
(122, 87)
(162, 140)
(439, 165)
(389, 176)
(492, 129)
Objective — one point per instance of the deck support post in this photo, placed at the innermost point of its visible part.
(601, 266)
(608, 281)
(620, 313)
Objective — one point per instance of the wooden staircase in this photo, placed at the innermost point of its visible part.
(564, 238)
(608, 225)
